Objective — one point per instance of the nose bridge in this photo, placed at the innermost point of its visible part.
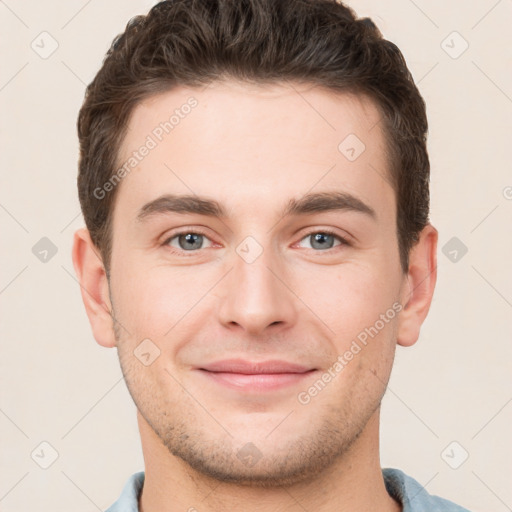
(256, 296)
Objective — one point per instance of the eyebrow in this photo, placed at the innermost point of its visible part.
(308, 204)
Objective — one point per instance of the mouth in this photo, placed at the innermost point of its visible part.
(251, 376)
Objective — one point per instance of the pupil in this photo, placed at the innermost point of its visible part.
(320, 238)
(191, 238)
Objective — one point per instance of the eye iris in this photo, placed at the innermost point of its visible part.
(319, 238)
(193, 238)
(194, 241)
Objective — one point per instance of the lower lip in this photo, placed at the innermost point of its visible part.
(257, 382)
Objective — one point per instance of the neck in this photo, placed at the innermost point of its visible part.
(352, 483)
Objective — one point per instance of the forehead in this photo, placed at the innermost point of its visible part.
(253, 145)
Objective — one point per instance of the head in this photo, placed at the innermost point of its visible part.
(298, 137)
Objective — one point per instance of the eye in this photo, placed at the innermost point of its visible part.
(192, 241)
(188, 241)
(323, 240)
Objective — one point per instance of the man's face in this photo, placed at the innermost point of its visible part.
(254, 284)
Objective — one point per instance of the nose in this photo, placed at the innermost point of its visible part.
(255, 297)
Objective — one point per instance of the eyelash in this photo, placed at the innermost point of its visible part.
(195, 231)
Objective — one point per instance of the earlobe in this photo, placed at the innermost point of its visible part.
(94, 285)
(418, 287)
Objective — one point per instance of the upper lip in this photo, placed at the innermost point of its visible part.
(255, 367)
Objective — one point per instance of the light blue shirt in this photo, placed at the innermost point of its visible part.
(406, 490)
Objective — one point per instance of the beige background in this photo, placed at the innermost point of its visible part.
(58, 386)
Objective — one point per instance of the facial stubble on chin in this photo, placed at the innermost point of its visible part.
(297, 461)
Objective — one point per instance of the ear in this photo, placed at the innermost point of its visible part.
(418, 286)
(94, 287)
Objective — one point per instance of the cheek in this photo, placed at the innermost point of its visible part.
(349, 297)
(151, 300)
(359, 304)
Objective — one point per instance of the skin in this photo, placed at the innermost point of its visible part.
(253, 148)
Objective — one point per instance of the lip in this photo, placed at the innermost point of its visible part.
(255, 376)
(255, 367)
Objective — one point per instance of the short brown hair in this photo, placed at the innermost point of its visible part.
(196, 42)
